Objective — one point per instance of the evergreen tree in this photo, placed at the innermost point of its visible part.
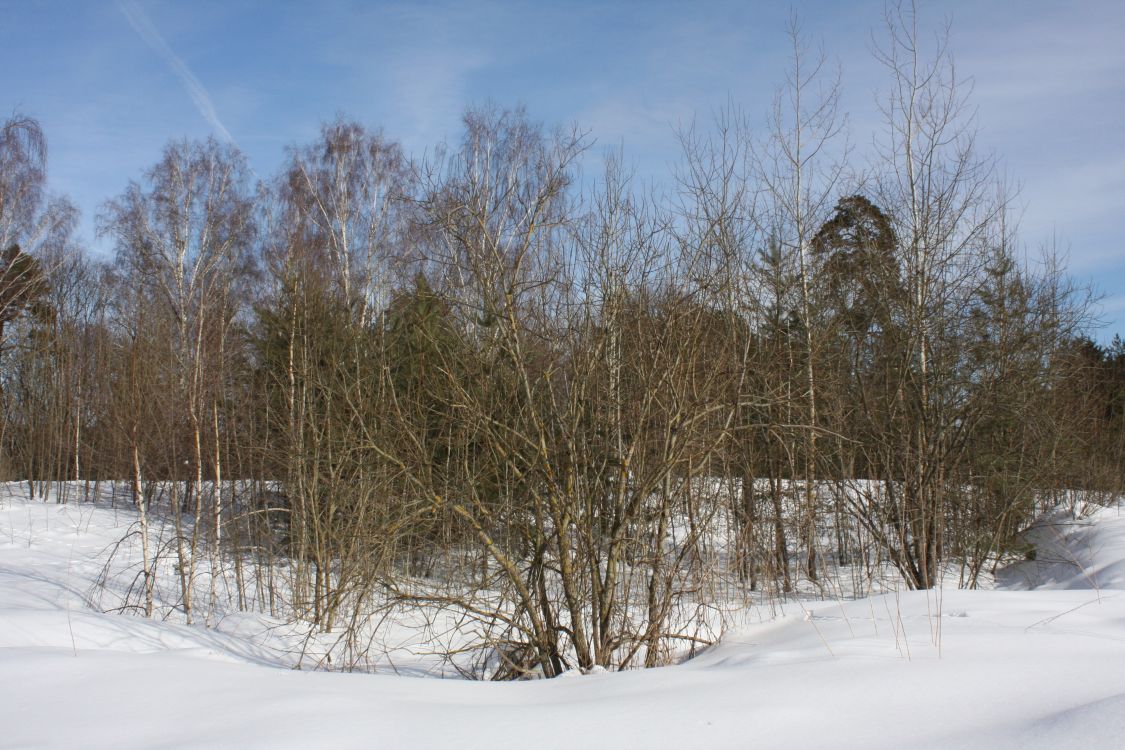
(23, 288)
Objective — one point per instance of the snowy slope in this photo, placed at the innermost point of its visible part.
(1040, 663)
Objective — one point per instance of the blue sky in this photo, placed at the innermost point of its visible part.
(111, 82)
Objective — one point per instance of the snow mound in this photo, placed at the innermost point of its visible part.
(1087, 553)
(1090, 726)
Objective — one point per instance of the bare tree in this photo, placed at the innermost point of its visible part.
(32, 226)
(183, 237)
(801, 174)
(346, 194)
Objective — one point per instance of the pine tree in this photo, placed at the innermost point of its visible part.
(23, 288)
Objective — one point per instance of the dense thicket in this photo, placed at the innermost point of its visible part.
(584, 419)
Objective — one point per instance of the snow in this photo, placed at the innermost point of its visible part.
(1073, 553)
(1037, 663)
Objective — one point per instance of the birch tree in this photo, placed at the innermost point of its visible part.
(800, 167)
(183, 236)
(936, 189)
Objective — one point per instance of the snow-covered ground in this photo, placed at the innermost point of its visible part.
(1037, 663)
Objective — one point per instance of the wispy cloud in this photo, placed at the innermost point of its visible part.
(147, 31)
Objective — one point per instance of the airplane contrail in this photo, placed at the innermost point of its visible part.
(147, 31)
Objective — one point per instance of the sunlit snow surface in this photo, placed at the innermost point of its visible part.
(1038, 663)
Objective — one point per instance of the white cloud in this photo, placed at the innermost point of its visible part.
(147, 31)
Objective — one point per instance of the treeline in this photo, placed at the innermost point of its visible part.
(577, 413)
